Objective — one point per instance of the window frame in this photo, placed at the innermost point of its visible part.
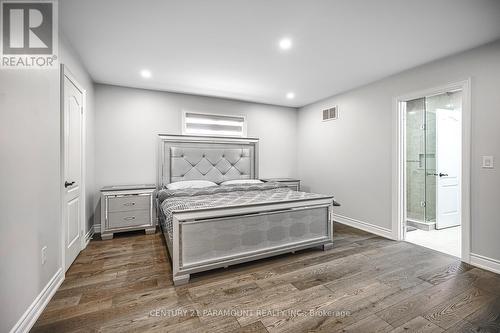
(184, 123)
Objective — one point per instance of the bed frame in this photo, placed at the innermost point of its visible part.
(209, 238)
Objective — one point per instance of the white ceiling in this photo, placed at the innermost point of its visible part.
(229, 48)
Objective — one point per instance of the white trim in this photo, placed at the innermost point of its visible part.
(368, 227)
(88, 237)
(398, 158)
(97, 228)
(65, 72)
(483, 262)
(84, 169)
(28, 319)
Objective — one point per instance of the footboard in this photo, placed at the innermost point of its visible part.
(204, 240)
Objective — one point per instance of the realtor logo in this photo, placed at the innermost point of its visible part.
(29, 34)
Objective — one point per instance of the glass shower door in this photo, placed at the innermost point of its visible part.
(430, 161)
(415, 160)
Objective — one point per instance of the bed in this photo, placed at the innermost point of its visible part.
(218, 226)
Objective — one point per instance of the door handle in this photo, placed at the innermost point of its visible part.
(68, 184)
(438, 174)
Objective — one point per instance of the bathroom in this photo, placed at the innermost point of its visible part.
(433, 171)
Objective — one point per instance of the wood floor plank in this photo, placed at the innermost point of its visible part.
(418, 324)
(74, 311)
(371, 323)
(446, 273)
(61, 303)
(218, 325)
(83, 281)
(489, 282)
(230, 293)
(487, 318)
(153, 320)
(251, 301)
(318, 274)
(272, 306)
(466, 327)
(451, 311)
(256, 327)
(353, 248)
(415, 306)
(407, 276)
(364, 284)
(327, 310)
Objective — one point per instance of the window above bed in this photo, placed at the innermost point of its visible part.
(196, 123)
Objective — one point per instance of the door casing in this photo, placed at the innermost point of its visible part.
(399, 157)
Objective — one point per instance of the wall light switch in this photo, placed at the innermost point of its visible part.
(488, 162)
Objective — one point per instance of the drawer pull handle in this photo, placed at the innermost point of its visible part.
(129, 204)
(129, 218)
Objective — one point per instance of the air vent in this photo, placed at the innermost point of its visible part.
(330, 114)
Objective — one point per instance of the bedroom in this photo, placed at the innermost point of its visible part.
(158, 83)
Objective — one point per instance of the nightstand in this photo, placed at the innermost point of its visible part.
(127, 207)
(292, 183)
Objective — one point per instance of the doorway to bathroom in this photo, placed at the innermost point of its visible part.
(432, 167)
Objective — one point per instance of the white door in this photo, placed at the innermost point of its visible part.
(73, 120)
(448, 161)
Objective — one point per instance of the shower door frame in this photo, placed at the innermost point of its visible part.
(399, 161)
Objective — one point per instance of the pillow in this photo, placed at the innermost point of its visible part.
(190, 184)
(242, 181)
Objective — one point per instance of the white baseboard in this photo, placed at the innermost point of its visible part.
(28, 319)
(88, 237)
(483, 262)
(97, 228)
(368, 227)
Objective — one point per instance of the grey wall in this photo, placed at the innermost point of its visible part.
(128, 122)
(29, 183)
(351, 157)
(72, 62)
(30, 208)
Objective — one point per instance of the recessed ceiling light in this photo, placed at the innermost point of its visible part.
(285, 43)
(290, 95)
(145, 73)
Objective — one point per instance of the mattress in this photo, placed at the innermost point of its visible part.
(172, 201)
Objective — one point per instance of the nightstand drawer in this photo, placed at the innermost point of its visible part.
(293, 185)
(128, 203)
(129, 218)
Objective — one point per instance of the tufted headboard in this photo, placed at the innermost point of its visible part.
(206, 158)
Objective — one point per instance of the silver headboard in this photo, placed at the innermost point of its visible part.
(217, 159)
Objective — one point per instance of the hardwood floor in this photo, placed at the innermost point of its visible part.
(365, 284)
